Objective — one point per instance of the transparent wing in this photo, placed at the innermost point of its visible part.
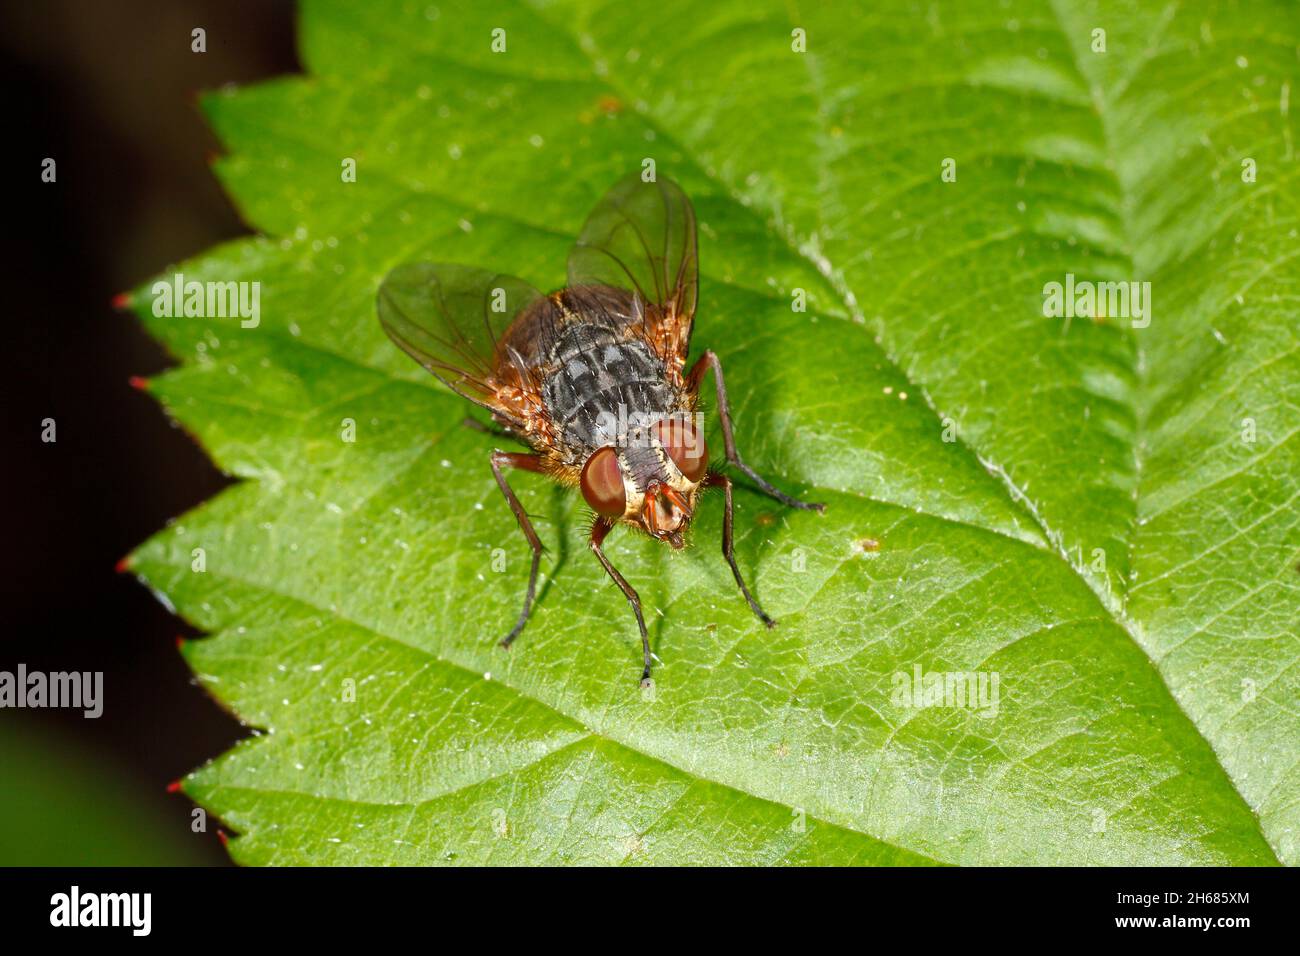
(641, 237)
(476, 330)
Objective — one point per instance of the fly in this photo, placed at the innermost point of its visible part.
(592, 377)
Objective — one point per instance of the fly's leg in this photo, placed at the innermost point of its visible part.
(478, 426)
(710, 361)
(715, 480)
(599, 529)
(527, 463)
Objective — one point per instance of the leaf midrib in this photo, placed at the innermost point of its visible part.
(1141, 374)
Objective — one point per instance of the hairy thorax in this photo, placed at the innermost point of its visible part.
(607, 390)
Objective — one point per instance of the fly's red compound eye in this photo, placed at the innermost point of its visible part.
(685, 446)
(602, 484)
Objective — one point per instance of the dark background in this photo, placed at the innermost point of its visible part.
(107, 90)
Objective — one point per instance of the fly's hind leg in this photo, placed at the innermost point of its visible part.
(527, 463)
(471, 422)
(710, 361)
(599, 529)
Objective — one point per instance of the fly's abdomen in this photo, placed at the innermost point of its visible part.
(602, 386)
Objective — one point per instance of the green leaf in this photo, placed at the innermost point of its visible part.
(1070, 505)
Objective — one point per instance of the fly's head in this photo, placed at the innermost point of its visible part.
(652, 479)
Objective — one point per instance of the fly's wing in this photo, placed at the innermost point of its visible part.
(641, 238)
(481, 333)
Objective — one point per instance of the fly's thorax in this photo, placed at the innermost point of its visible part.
(600, 386)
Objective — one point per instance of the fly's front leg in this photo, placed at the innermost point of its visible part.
(715, 480)
(528, 463)
(599, 529)
(696, 375)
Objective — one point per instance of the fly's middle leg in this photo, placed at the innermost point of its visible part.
(696, 375)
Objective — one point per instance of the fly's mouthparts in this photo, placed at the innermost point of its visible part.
(676, 500)
(650, 512)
